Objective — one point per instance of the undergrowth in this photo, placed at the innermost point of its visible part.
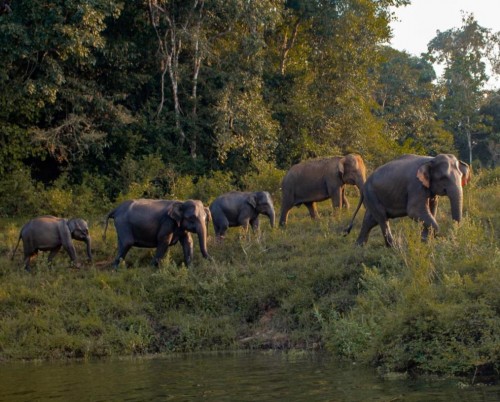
(419, 308)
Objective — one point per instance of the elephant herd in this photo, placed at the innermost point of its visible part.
(407, 186)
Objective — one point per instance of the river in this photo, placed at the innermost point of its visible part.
(256, 376)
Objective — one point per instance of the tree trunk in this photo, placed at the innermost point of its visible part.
(287, 45)
(170, 51)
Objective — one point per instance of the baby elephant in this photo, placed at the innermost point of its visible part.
(49, 233)
(238, 208)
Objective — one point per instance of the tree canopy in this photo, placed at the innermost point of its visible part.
(92, 88)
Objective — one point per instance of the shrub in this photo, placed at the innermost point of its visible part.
(488, 177)
(207, 188)
(266, 178)
(19, 194)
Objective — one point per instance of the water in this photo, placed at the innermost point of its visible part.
(222, 377)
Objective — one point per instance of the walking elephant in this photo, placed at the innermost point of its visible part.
(159, 223)
(316, 180)
(49, 233)
(238, 208)
(410, 186)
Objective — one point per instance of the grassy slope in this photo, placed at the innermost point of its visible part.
(421, 307)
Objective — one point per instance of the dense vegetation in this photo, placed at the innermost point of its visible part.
(106, 100)
(99, 97)
(419, 308)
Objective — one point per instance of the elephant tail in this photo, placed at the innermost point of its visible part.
(112, 216)
(17, 245)
(351, 224)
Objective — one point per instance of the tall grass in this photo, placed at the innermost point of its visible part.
(420, 307)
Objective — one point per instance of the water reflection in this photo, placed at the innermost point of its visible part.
(222, 377)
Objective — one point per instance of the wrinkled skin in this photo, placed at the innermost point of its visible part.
(49, 233)
(160, 224)
(318, 180)
(410, 186)
(238, 208)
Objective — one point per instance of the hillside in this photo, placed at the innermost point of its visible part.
(417, 308)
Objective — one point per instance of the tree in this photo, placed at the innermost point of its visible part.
(464, 53)
(406, 96)
(320, 82)
(488, 147)
(47, 80)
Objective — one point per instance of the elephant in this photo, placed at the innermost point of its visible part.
(237, 208)
(410, 186)
(49, 233)
(316, 180)
(151, 223)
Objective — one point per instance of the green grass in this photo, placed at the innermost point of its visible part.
(418, 308)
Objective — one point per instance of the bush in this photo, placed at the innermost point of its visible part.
(266, 178)
(207, 188)
(488, 177)
(436, 314)
(19, 194)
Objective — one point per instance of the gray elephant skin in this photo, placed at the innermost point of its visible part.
(410, 186)
(237, 208)
(317, 180)
(50, 233)
(159, 224)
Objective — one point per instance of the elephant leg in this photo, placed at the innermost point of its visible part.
(287, 203)
(313, 211)
(386, 231)
(27, 260)
(245, 223)
(53, 253)
(123, 249)
(161, 250)
(369, 223)
(424, 212)
(430, 222)
(221, 228)
(430, 226)
(70, 249)
(254, 223)
(336, 196)
(345, 202)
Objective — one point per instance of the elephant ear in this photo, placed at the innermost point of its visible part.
(71, 225)
(424, 174)
(341, 168)
(174, 210)
(74, 224)
(252, 200)
(466, 174)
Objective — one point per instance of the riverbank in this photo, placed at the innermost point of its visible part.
(419, 308)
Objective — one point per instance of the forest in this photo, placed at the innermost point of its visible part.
(103, 101)
(100, 99)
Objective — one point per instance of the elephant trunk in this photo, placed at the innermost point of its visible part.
(201, 231)
(270, 213)
(360, 183)
(456, 201)
(89, 248)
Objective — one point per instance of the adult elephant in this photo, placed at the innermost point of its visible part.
(316, 180)
(238, 208)
(410, 186)
(50, 233)
(159, 223)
